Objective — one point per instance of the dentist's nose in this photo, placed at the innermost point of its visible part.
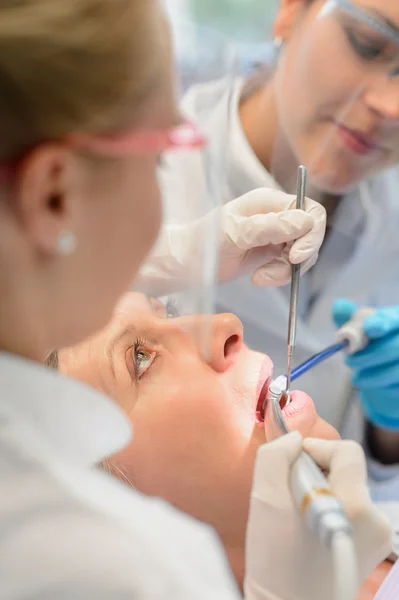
(226, 342)
(383, 100)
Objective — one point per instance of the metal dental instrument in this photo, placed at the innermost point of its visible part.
(295, 277)
(350, 338)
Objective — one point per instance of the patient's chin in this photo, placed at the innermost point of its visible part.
(300, 415)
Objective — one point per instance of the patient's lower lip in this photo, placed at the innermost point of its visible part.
(299, 403)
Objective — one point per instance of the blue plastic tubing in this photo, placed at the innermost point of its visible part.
(318, 358)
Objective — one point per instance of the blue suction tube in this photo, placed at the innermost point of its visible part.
(318, 358)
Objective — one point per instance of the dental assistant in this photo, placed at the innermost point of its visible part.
(328, 100)
(87, 106)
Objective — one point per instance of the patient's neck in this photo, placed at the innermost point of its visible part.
(236, 558)
(232, 531)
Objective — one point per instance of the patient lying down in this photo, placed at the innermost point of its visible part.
(195, 427)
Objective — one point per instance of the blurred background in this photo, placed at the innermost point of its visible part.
(247, 22)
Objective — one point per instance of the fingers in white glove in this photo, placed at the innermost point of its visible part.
(273, 219)
(275, 457)
(303, 248)
(278, 271)
(262, 201)
(273, 228)
(346, 464)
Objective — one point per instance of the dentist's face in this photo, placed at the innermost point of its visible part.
(195, 427)
(336, 106)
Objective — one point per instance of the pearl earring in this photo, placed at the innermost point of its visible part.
(277, 45)
(66, 243)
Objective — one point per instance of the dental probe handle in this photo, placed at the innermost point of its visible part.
(312, 495)
(295, 277)
(352, 331)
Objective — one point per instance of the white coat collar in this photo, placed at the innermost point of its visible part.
(75, 422)
(245, 171)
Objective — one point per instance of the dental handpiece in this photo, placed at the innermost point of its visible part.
(311, 491)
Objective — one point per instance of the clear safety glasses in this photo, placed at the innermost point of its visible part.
(192, 180)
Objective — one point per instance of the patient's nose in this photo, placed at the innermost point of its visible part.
(227, 340)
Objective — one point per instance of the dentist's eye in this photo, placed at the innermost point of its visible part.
(142, 359)
(366, 49)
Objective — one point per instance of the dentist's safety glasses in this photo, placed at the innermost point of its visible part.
(192, 179)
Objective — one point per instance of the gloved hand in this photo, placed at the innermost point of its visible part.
(263, 233)
(284, 560)
(260, 232)
(375, 370)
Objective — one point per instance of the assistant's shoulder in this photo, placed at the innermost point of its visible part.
(65, 535)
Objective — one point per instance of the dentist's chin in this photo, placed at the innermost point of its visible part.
(300, 415)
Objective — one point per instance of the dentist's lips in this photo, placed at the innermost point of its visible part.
(358, 142)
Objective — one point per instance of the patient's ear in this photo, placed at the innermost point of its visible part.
(287, 17)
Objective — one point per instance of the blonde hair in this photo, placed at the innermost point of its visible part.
(73, 65)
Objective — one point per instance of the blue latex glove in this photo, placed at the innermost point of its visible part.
(375, 370)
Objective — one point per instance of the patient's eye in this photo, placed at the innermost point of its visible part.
(142, 358)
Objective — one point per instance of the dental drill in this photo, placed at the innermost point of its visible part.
(322, 511)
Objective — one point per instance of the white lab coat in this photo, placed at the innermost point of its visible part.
(359, 261)
(70, 532)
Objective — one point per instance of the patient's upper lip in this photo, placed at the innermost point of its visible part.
(265, 378)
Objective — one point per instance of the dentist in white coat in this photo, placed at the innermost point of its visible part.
(329, 100)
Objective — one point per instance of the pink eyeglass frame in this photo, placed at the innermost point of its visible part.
(182, 137)
(185, 136)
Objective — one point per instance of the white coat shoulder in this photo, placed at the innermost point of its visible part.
(68, 530)
(83, 535)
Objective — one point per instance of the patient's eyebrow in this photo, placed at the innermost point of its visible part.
(129, 331)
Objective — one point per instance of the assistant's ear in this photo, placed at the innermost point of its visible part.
(43, 202)
(287, 17)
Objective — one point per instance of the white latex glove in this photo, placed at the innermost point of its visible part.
(263, 233)
(284, 560)
(260, 232)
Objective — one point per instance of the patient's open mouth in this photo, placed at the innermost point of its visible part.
(260, 406)
(265, 379)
